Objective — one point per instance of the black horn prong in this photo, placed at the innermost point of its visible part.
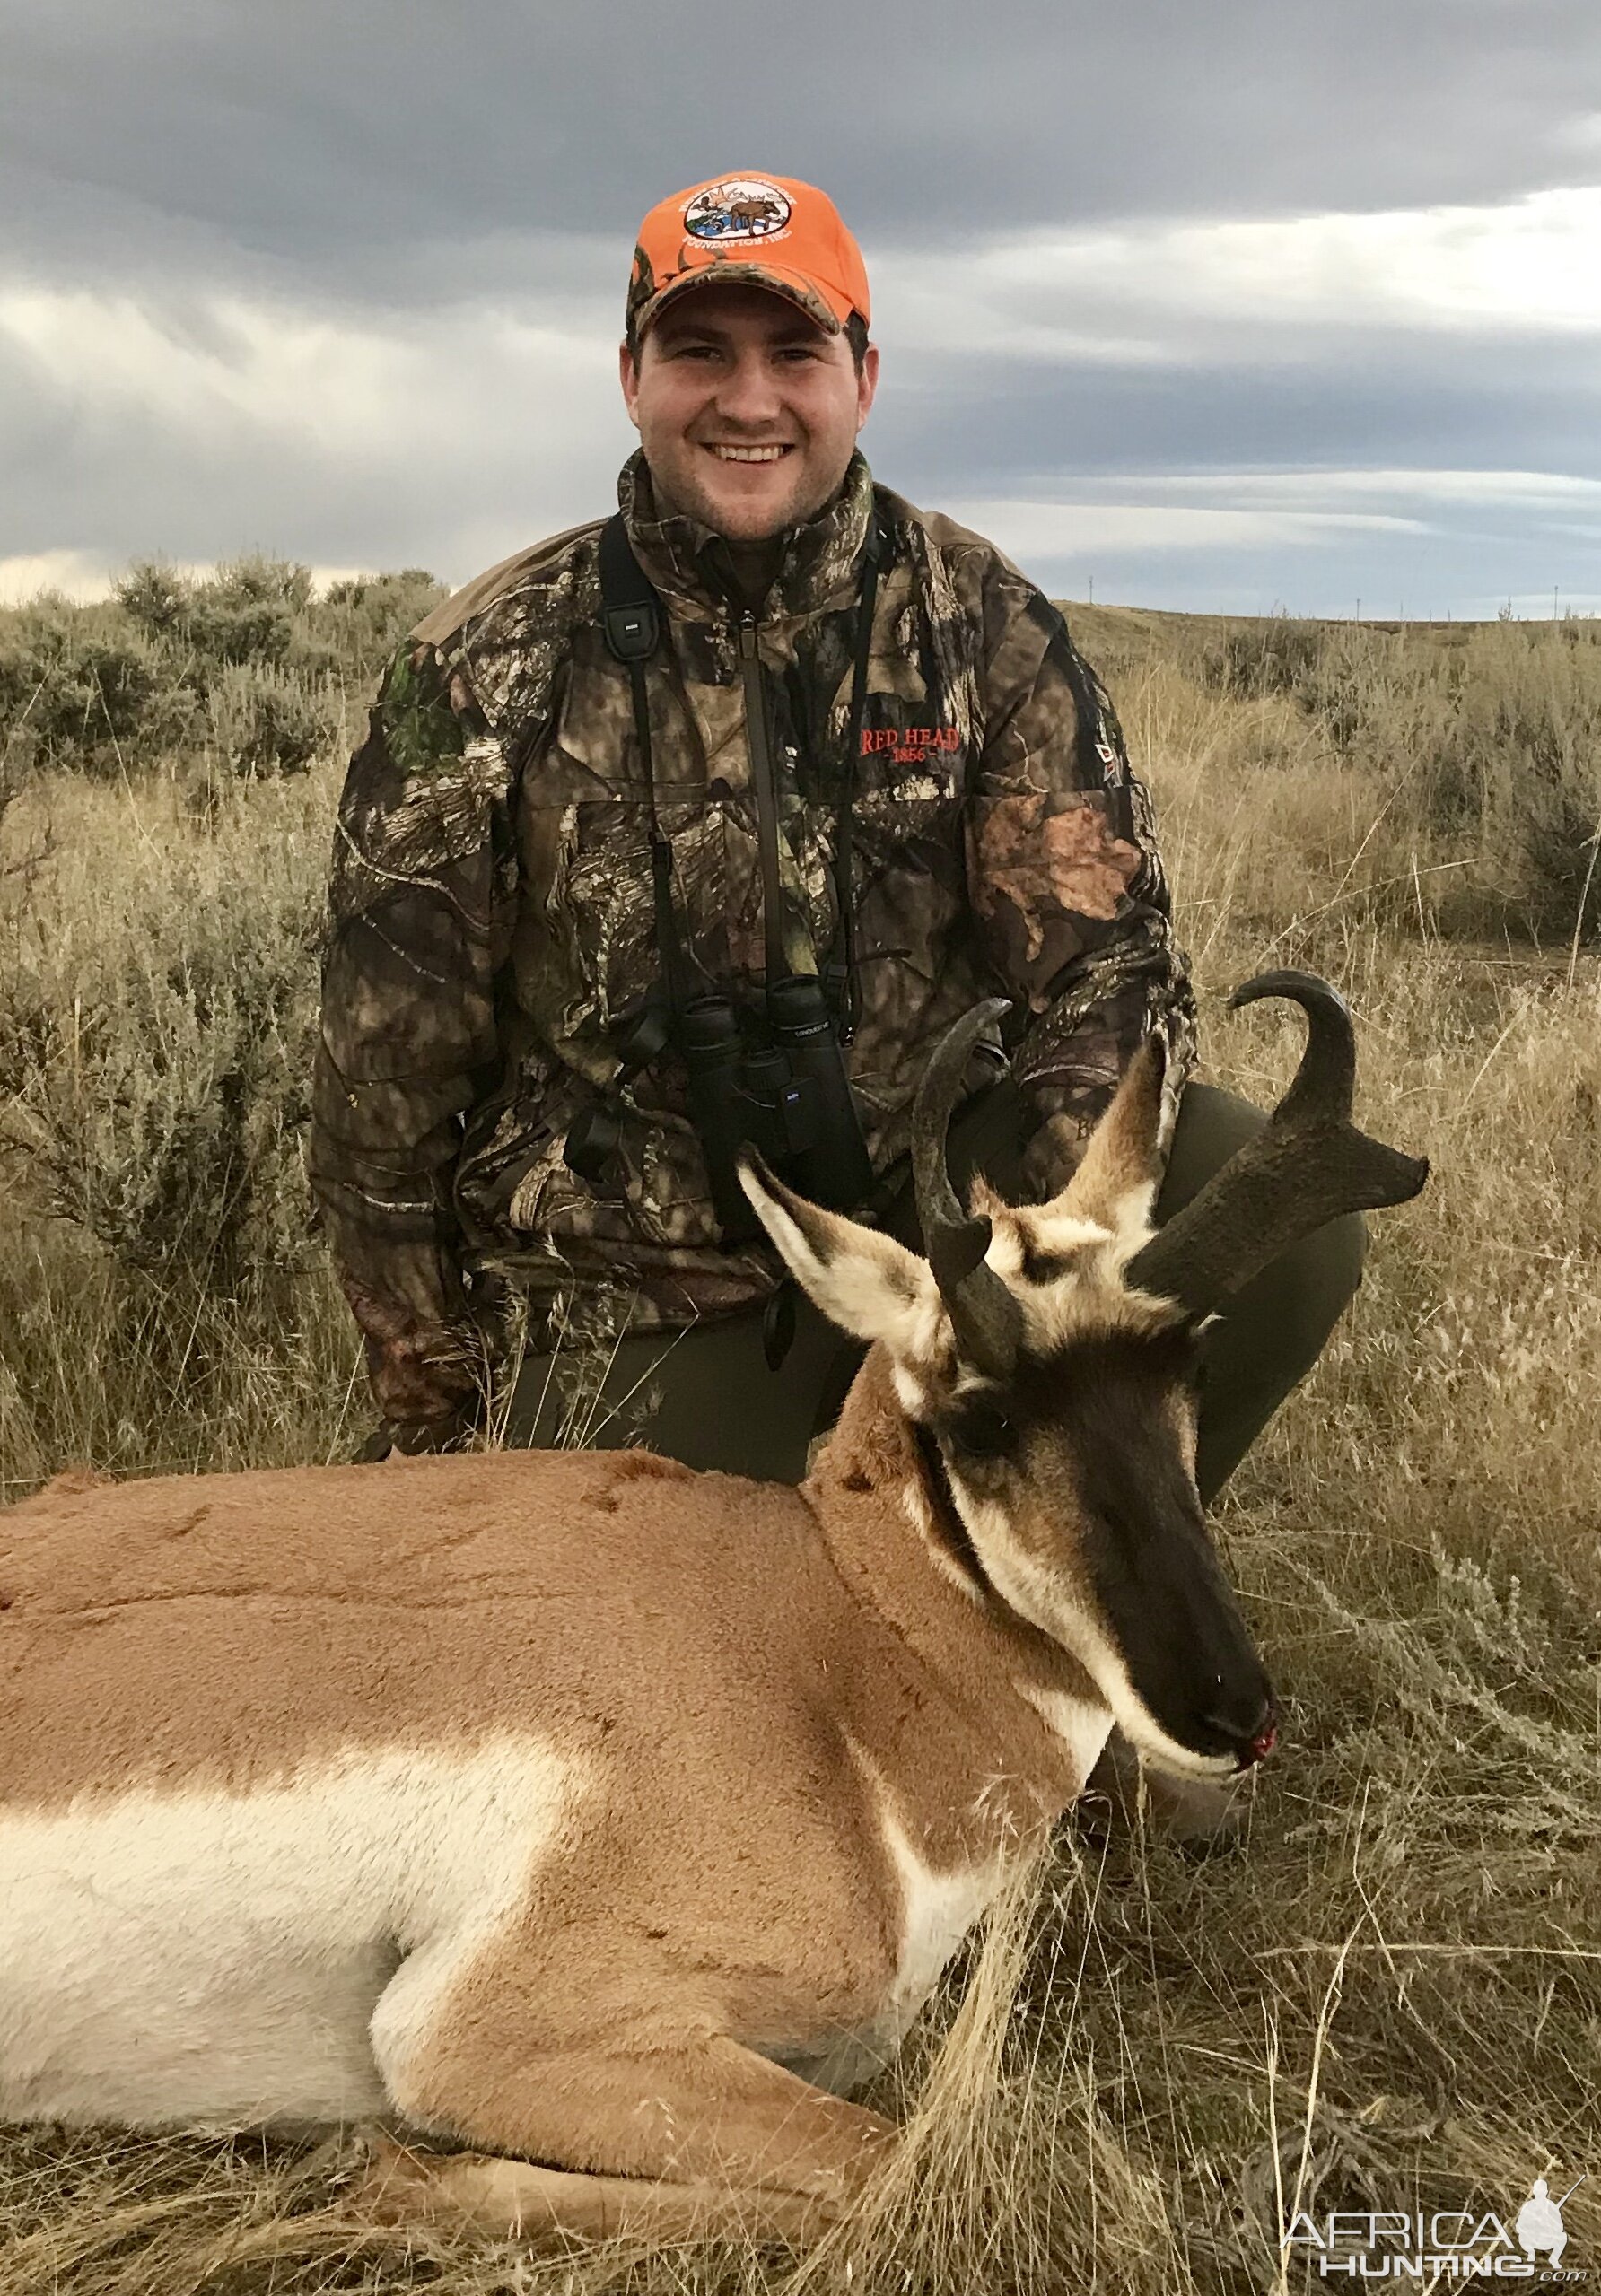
(1307, 1164)
(1326, 1075)
(984, 1316)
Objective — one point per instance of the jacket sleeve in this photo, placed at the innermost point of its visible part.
(420, 898)
(1066, 883)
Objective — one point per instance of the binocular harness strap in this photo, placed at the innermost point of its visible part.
(632, 622)
(630, 619)
(759, 734)
(840, 972)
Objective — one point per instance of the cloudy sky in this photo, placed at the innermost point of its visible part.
(1258, 303)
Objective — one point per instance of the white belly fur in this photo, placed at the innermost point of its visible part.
(215, 1959)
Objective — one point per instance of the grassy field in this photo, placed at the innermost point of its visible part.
(1387, 1996)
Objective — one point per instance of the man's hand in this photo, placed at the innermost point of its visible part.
(1052, 1158)
(431, 1381)
(415, 1438)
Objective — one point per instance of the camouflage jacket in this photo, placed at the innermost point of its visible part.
(491, 913)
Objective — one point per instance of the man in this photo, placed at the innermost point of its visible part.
(801, 733)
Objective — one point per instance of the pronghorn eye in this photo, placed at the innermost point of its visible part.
(981, 1433)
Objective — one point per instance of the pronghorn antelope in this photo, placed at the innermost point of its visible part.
(611, 1821)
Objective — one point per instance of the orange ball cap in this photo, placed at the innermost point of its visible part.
(764, 230)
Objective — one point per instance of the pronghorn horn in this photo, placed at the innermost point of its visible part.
(1308, 1164)
(983, 1314)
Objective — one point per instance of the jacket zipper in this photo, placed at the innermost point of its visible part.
(755, 711)
(767, 795)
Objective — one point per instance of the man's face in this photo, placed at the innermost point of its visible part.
(748, 412)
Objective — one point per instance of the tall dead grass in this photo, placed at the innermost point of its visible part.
(1388, 1994)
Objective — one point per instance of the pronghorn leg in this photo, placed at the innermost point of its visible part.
(709, 2114)
(520, 2200)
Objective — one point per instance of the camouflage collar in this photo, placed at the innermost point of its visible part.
(688, 563)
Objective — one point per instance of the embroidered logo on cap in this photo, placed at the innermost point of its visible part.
(743, 207)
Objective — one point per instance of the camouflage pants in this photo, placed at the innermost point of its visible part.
(708, 1396)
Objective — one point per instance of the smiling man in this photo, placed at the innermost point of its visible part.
(747, 411)
(703, 824)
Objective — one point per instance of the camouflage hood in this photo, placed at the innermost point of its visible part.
(492, 914)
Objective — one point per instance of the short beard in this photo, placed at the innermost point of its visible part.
(707, 513)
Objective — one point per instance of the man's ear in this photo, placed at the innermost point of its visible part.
(867, 1283)
(1121, 1168)
(628, 376)
(867, 384)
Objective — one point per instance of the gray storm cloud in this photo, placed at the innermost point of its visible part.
(337, 131)
(344, 279)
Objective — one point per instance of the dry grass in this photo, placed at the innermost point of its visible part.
(1389, 1995)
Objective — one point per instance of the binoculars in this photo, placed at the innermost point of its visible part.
(786, 1094)
(775, 1082)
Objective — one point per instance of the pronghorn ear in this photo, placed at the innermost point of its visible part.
(1118, 1174)
(867, 1283)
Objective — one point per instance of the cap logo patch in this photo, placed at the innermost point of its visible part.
(744, 207)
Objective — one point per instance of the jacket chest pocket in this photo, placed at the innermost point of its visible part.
(588, 942)
(909, 872)
(586, 839)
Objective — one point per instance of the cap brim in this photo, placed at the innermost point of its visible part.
(743, 271)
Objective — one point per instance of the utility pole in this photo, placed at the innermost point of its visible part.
(1092, 589)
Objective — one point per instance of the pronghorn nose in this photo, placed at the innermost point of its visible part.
(1254, 1744)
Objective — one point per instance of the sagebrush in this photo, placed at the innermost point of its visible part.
(244, 670)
